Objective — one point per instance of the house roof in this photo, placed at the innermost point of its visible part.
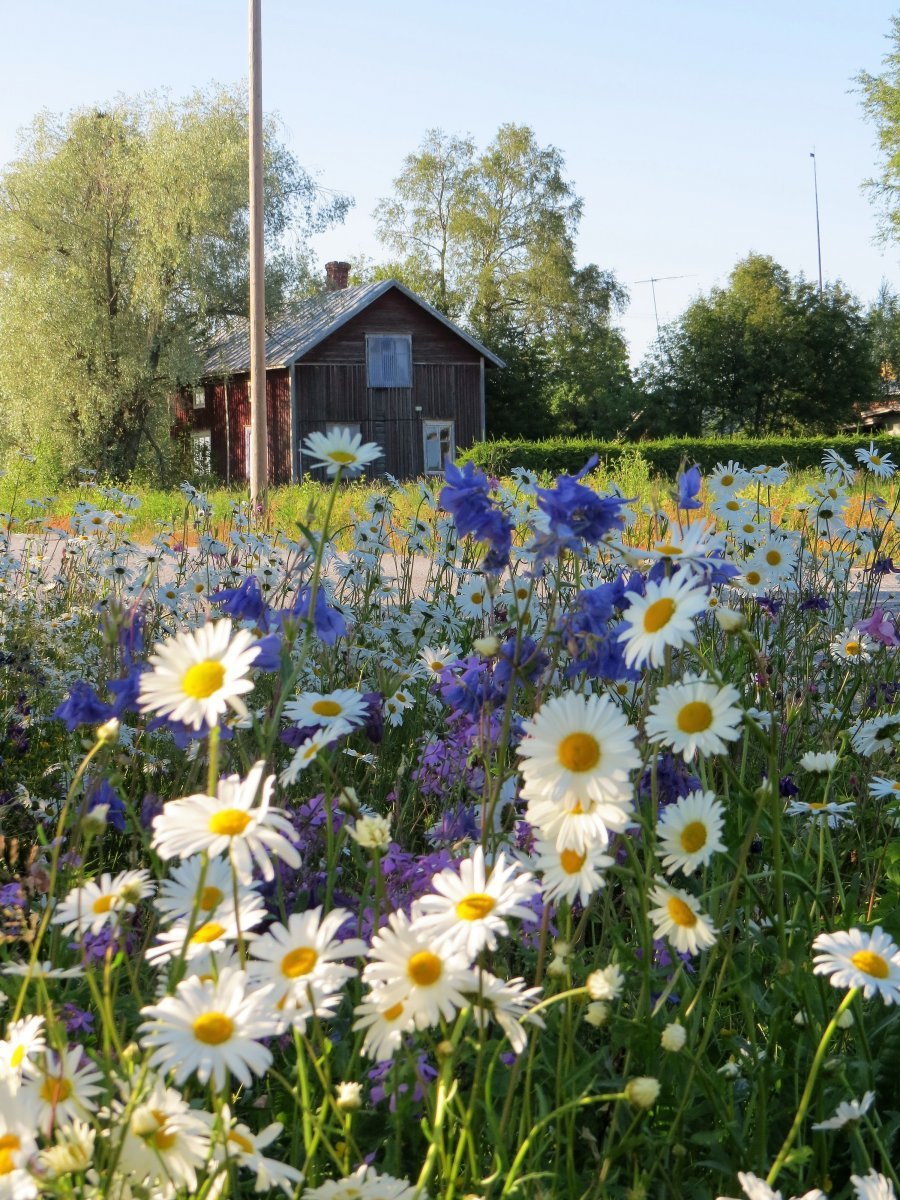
(294, 333)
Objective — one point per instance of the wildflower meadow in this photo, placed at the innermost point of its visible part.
(531, 842)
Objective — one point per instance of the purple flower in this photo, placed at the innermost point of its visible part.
(466, 497)
(384, 1077)
(576, 514)
(689, 482)
(880, 627)
(268, 653)
(244, 602)
(82, 707)
(104, 793)
(329, 623)
(77, 1020)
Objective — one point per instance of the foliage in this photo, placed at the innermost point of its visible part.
(489, 238)
(768, 354)
(664, 456)
(881, 105)
(123, 241)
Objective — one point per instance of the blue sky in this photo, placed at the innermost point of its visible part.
(686, 125)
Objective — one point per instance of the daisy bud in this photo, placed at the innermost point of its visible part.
(561, 948)
(348, 801)
(444, 1049)
(109, 732)
(673, 1037)
(597, 1013)
(486, 647)
(642, 1091)
(557, 968)
(372, 833)
(605, 984)
(94, 822)
(800, 1018)
(845, 1020)
(349, 1097)
(728, 619)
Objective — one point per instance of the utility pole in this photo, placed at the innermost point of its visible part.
(259, 459)
(812, 155)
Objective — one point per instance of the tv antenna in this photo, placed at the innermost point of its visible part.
(653, 281)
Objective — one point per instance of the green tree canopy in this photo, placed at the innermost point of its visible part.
(488, 237)
(123, 241)
(767, 354)
(881, 105)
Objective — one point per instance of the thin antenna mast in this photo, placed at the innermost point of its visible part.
(653, 281)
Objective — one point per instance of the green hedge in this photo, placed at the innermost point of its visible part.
(556, 455)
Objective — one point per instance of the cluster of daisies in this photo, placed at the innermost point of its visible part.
(587, 686)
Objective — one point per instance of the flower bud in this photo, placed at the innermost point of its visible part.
(673, 1037)
(597, 1013)
(486, 647)
(349, 1097)
(108, 732)
(642, 1091)
(728, 619)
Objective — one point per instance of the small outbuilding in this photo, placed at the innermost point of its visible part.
(376, 359)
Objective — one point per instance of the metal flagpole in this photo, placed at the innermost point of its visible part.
(259, 467)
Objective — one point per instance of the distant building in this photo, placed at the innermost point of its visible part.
(883, 414)
(377, 359)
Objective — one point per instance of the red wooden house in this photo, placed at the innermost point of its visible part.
(374, 358)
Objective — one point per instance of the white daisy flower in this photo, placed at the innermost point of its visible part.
(879, 464)
(166, 1141)
(663, 617)
(834, 464)
(407, 966)
(231, 823)
(64, 1086)
(101, 900)
(307, 753)
(18, 1124)
(72, 1151)
(435, 658)
(473, 598)
(679, 918)
(878, 733)
(755, 1188)
(341, 451)
(211, 1028)
(578, 748)
(856, 959)
(819, 762)
(180, 892)
(241, 1145)
(385, 1023)
(301, 961)
(873, 1186)
(727, 480)
(209, 936)
(468, 910)
(569, 874)
(199, 674)
(851, 646)
(372, 832)
(606, 983)
(689, 832)
(364, 1184)
(508, 1002)
(327, 708)
(19, 1050)
(695, 714)
(884, 789)
(847, 1111)
(832, 811)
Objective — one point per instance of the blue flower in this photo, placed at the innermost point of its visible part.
(576, 514)
(104, 793)
(329, 623)
(268, 653)
(82, 707)
(465, 496)
(244, 602)
(689, 482)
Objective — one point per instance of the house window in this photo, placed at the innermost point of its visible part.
(389, 361)
(439, 444)
(200, 397)
(201, 452)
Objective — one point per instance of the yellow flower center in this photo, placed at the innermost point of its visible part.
(682, 914)
(424, 968)
(230, 822)
(9, 1144)
(213, 1028)
(203, 678)
(436, 665)
(693, 837)
(658, 614)
(342, 456)
(102, 904)
(726, 480)
(210, 898)
(871, 963)
(571, 862)
(876, 459)
(773, 557)
(579, 752)
(299, 961)
(694, 717)
(477, 597)
(326, 708)
(667, 548)
(239, 1140)
(392, 1013)
(162, 1139)
(852, 648)
(55, 1090)
(475, 907)
(753, 578)
(210, 932)
(733, 505)
(17, 1057)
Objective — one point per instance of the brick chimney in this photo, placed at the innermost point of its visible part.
(338, 275)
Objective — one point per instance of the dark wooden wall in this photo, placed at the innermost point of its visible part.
(227, 429)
